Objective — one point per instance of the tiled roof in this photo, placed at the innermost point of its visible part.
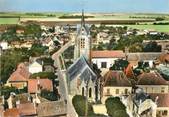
(129, 71)
(107, 54)
(162, 99)
(116, 78)
(51, 109)
(164, 57)
(152, 78)
(143, 56)
(27, 109)
(44, 84)
(14, 112)
(21, 74)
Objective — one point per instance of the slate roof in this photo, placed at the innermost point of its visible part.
(140, 96)
(116, 78)
(152, 78)
(82, 68)
(107, 54)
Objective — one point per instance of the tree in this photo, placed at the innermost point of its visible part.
(49, 95)
(115, 108)
(49, 75)
(9, 61)
(79, 105)
(37, 50)
(152, 47)
(119, 64)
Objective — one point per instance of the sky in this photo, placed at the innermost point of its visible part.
(137, 6)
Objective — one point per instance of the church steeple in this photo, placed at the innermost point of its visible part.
(83, 18)
(82, 41)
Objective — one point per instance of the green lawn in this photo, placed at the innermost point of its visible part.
(9, 20)
(159, 28)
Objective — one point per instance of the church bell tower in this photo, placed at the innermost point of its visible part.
(82, 41)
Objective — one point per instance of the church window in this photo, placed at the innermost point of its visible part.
(90, 92)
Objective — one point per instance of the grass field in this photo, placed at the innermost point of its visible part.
(159, 28)
(9, 20)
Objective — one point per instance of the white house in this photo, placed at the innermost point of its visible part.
(115, 83)
(106, 58)
(4, 45)
(36, 66)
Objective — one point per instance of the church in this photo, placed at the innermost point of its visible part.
(81, 78)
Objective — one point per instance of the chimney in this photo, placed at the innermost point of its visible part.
(156, 99)
(126, 52)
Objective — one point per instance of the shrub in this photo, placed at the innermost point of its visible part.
(49, 95)
(115, 108)
(79, 103)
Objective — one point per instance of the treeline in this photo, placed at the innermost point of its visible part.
(161, 23)
(145, 17)
(9, 16)
(74, 16)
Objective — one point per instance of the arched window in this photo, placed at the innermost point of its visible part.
(90, 92)
(82, 91)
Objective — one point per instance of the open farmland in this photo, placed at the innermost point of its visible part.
(9, 20)
(159, 28)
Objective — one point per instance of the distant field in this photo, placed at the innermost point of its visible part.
(159, 28)
(9, 20)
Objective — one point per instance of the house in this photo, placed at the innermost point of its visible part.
(152, 82)
(162, 101)
(4, 45)
(115, 83)
(19, 77)
(13, 112)
(36, 66)
(143, 106)
(164, 71)
(36, 85)
(20, 31)
(27, 109)
(103, 37)
(80, 76)
(1, 111)
(105, 59)
(149, 57)
(164, 58)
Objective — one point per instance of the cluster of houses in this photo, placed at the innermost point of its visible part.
(144, 95)
(30, 103)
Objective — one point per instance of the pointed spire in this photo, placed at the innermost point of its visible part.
(83, 18)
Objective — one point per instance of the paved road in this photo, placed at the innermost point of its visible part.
(63, 87)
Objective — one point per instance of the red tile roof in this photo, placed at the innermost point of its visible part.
(129, 71)
(27, 109)
(21, 74)
(44, 84)
(14, 112)
(107, 54)
(164, 57)
(116, 78)
(162, 99)
(152, 78)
